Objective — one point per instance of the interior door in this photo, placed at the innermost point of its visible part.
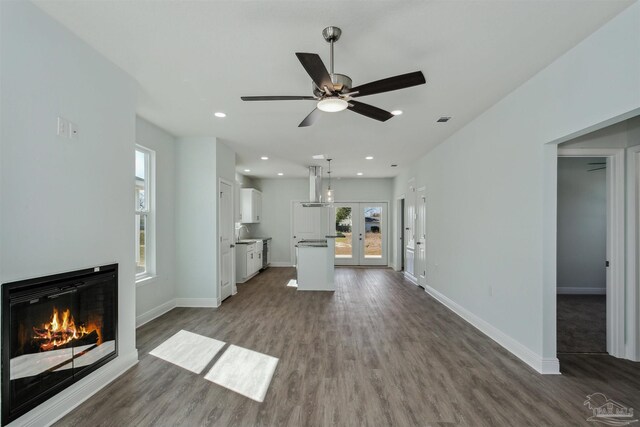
(420, 259)
(372, 219)
(226, 228)
(347, 222)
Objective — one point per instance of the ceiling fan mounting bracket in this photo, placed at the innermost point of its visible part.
(331, 34)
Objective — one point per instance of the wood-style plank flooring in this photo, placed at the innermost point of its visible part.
(379, 351)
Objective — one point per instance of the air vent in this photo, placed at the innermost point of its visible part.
(443, 119)
(394, 166)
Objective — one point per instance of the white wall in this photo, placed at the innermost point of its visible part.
(277, 195)
(491, 190)
(156, 295)
(196, 224)
(66, 204)
(619, 135)
(582, 225)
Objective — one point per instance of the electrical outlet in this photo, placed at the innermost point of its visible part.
(63, 127)
(73, 130)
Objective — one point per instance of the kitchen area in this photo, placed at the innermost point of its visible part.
(313, 251)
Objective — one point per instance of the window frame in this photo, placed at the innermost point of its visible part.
(149, 214)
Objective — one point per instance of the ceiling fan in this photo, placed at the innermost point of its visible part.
(334, 92)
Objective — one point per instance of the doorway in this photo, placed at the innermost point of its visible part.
(585, 202)
(581, 255)
(364, 227)
(420, 259)
(226, 232)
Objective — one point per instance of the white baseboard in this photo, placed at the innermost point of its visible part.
(61, 404)
(155, 312)
(572, 290)
(540, 364)
(410, 278)
(280, 264)
(197, 302)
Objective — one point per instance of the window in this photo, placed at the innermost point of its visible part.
(144, 213)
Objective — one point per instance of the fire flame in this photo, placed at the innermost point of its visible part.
(61, 330)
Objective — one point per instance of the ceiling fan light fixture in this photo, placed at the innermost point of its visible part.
(332, 105)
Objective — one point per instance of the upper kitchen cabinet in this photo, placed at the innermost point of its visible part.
(250, 205)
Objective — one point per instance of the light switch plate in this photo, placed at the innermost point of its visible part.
(74, 132)
(63, 127)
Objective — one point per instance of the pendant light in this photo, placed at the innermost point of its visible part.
(329, 191)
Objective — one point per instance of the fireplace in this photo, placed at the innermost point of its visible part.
(55, 330)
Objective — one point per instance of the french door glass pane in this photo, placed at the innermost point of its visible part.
(372, 232)
(141, 259)
(344, 225)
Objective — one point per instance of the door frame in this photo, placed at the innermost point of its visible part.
(234, 289)
(421, 244)
(399, 240)
(633, 251)
(615, 241)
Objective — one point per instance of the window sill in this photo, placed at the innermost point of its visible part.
(145, 279)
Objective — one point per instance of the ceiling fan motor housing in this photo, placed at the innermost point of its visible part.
(341, 84)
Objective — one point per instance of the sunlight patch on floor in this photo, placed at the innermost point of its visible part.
(188, 350)
(244, 371)
(293, 283)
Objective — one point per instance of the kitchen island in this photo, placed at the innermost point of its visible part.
(315, 264)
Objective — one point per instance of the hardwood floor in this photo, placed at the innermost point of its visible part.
(379, 351)
(582, 323)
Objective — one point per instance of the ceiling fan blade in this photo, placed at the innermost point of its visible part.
(597, 163)
(596, 169)
(391, 83)
(311, 118)
(316, 70)
(276, 98)
(369, 111)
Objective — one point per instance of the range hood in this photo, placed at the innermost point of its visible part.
(315, 189)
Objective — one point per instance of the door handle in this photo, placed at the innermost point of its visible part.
(418, 243)
(232, 246)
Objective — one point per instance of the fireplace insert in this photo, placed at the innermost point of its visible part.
(55, 330)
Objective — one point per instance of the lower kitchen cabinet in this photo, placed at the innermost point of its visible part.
(248, 261)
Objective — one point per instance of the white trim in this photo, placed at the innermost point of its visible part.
(615, 241)
(232, 277)
(155, 312)
(540, 364)
(410, 278)
(633, 242)
(197, 302)
(61, 404)
(280, 264)
(573, 290)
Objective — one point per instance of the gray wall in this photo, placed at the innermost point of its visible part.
(67, 204)
(160, 290)
(582, 225)
(491, 190)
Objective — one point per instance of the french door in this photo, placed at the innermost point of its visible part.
(364, 226)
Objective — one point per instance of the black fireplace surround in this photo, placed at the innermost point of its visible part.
(55, 330)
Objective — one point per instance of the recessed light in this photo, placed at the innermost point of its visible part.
(396, 112)
(359, 174)
(219, 114)
(318, 156)
(264, 158)
(369, 158)
(443, 119)
(280, 174)
(247, 170)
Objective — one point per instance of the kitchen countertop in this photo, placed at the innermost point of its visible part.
(251, 240)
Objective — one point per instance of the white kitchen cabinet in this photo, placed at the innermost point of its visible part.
(250, 205)
(248, 260)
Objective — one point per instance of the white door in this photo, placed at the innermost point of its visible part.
(307, 224)
(420, 267)
(409, 229)
(226, 228)
(373, 233)
(347, 251)
(364, 226)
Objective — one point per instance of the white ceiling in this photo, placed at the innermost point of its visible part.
(192, 58)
